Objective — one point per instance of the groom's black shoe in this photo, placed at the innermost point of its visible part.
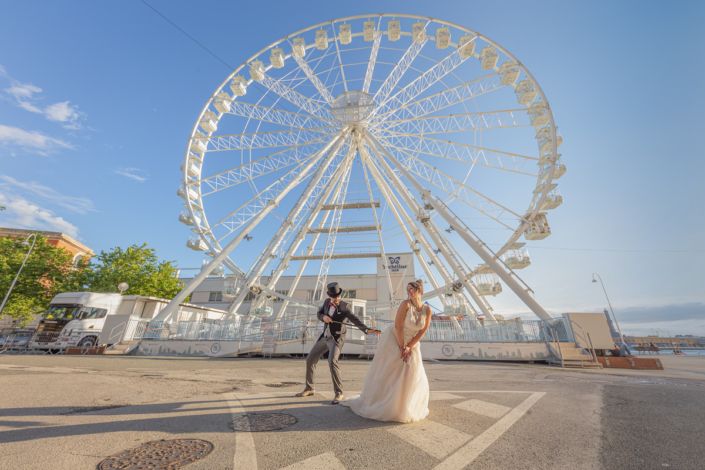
(337, 399)
(306, 393)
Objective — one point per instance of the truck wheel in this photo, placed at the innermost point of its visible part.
(87, 342)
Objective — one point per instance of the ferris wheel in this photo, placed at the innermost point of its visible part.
(371, 134)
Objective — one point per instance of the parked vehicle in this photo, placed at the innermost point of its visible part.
(87, 319)
(13, 339)
(78, 315)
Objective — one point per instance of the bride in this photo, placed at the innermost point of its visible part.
(396, 387)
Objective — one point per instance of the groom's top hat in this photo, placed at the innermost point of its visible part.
(334, 290)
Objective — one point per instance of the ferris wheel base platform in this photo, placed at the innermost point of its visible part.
(431, 350)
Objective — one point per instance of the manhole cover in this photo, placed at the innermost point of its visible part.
(159, 455)
(258, 422)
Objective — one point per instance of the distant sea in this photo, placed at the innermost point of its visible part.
(669, 352)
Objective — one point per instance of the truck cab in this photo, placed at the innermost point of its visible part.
(74, 319)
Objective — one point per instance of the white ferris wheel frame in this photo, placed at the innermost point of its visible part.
(405, 207)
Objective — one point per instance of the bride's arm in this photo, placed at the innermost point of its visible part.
(399, 324)
(417, 337)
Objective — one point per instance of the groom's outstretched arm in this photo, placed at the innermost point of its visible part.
(356, 321)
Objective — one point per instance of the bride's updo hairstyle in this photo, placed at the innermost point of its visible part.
(418, 287)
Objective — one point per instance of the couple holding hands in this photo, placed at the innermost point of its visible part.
(395, 386)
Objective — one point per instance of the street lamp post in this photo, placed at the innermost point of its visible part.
(33, 236)
(619, 328)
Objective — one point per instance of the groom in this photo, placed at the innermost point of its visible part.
(333, 313)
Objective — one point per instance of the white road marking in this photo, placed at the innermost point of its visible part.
(470, 451)
(326, 461)
(245, 455)
(436, 439)
(484, 408)
(444, 396)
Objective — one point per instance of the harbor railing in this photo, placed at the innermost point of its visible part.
(305, 326)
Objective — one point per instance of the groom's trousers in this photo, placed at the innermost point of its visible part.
(333, 348)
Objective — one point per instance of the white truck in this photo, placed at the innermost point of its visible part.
(87, 319)
(84, 312)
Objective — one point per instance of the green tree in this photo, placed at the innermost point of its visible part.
(48, 271)
(139, 267)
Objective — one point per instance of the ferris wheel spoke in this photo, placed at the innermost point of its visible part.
(319, 191)
(378, 226)
(314, 108)
(449, 254)
(278, 116)
(331, 237)
(313, 192)
(340, 59)
(269, 139)
(474, 157)
(455, 188)
(255, 169)
(403, 218)
(246, 211)
(301, 235)
(454, 151)
(421, 83)
(454, 123)
(406, 224)
(240, 216)
(460, 151)
(322, 90)
(400, 68)
(447, 98)
(374, 51)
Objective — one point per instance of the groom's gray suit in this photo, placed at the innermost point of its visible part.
(331, 341)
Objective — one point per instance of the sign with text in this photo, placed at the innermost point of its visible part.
(396, 263)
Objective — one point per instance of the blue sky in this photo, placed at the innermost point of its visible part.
(97, 100)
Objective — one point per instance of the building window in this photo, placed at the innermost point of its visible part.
(349, 294)
(215, 296)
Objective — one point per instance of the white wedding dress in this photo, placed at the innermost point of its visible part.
(394, 390)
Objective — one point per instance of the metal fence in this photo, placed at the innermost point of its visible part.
(519, 331)
(302, 327)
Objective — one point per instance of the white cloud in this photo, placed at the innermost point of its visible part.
(65, 113)
(27, 97)
(23, 91)
(31, 140)
(132, 173)
(19, 212)
(79, 205)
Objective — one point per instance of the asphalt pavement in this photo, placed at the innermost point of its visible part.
(73, 412)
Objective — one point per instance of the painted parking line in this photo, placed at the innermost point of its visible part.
(484, 408)
(470, 451)
(245, 456)
(444, 396)
(455, 449)
(436, 439)
(327, 461)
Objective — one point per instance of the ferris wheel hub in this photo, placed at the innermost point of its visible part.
(352, 107)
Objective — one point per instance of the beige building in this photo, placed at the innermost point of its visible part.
(218, 292)
(78, 250)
